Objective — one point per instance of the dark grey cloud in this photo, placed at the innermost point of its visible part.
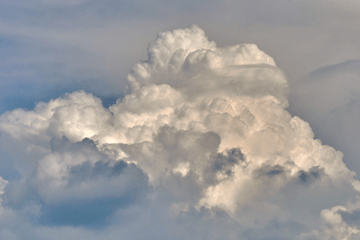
(313, 174)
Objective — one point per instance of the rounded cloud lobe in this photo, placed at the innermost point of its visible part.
(202, 147)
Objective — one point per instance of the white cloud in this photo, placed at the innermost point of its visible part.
(208, 126)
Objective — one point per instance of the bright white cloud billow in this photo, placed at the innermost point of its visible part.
(202, 147)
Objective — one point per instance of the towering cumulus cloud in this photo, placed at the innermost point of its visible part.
(202, 147)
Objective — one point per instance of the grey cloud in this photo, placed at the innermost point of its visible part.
(92, 191)
(276, 230)
(86, 172)
(64, 145)
(188, 155)
(313, 174)
(269, 171)
(351, 218)
(225, 162)
(209, 224)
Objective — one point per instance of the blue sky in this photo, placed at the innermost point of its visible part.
(110, 96)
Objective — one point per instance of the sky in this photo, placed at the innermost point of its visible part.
(180, 119)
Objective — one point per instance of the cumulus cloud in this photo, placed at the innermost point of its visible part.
(329, 98)
(202, 147)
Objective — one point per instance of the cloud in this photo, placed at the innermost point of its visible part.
(203, 142)
(77, 185)
(329, 98)
(48, 49)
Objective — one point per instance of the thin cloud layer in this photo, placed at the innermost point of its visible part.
(202, 147)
